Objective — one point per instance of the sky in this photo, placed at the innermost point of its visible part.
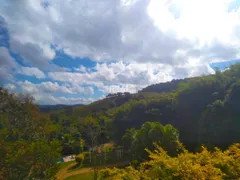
(78, 51)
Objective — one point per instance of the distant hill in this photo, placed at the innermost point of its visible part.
(46, 108)
(164, 87)
(205, 110)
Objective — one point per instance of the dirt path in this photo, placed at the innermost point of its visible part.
(64, 172)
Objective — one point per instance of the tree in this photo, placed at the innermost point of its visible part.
(206, 164)
(25, 150)
(150, 132)
(68, 144)
(81, 144)
(92, 131)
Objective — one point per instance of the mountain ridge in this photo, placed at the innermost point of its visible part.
(46, 108)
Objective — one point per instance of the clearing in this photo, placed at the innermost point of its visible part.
(68, 171)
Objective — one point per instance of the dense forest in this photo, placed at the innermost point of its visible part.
(183, 120)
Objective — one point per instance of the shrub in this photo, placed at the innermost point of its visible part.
(80, 158)
(203, 165)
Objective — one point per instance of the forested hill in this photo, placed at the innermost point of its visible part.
(204, 109)
(164, 87)
(46, 108)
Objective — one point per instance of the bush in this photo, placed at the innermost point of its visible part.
(80, 158)
(203, 165)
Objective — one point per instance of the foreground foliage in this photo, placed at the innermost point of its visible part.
(26, 151)
(202, 165)
(204, 110)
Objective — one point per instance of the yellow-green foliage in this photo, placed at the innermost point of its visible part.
(203, 165)
(80, 158)
(118, 174)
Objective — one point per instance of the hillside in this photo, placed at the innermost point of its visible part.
(191, 105)
(197, 111)
(46, 108)
(164, 87)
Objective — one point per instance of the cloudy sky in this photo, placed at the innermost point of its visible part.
(77, 51)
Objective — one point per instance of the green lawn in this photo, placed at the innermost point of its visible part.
(65, 164)
(87, 176)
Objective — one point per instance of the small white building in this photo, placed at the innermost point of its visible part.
(69, 158)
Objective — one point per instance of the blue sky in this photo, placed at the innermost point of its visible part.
(224, 65)
(69, 52)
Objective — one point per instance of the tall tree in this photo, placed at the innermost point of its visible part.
(25, 150)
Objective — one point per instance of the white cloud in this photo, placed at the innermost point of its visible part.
(121, 88)
(45, 92)
(51, 100)
(53, 87)
(10, 87)
(150, 41)
(81, 69)
(195, 19)
(113, 73)
(32, 53)
(117, 76)
(32, 71)
(122, 77)
(7, 64)
(140, 31)
(5, 59)
(29, 88)
(48, 87)
(85, 90)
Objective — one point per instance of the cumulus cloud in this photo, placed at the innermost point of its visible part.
(141, 31)
(51, 100)
(7, 64)
(134, 42)
(81, 69)
(46, 92)
(32, 71)
(121, 88)
(130, 77)
(10, 87)
(28, 87)
(49, 87)
(116, 73)
(6, 59)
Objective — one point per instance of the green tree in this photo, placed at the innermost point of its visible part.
(25, 149)
(150, 132)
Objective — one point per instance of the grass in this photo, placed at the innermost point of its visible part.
(86, 176)
(88, 165)
(65, 164)
(72, 171)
